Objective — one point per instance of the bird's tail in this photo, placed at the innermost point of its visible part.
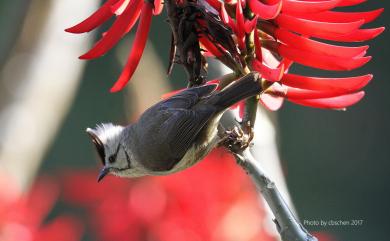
(245, 87)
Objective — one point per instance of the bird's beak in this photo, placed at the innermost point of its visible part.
(103, 173)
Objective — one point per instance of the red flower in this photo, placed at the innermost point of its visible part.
(285, 28)
(201, 203)
(285, 32)
(21, 218)
(128, 11)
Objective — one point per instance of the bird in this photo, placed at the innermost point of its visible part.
(171, 135)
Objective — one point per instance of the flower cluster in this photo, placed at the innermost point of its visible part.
(201, 203)
(267, 36)
(22, 218)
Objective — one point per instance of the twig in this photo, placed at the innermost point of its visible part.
(289, 228)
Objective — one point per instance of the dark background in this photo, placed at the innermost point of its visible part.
(336, 163)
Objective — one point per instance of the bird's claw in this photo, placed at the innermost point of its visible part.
(237, 140)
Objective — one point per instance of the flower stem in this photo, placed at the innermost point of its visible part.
(248, 121)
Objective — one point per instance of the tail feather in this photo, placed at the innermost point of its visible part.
(247, 86)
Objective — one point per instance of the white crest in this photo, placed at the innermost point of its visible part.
(107, 132)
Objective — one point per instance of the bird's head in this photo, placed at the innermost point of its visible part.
(108, 140)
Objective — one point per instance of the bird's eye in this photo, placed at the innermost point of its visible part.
(111, 159)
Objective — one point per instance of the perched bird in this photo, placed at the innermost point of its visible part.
(173, 134)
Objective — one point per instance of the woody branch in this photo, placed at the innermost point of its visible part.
(287, 225)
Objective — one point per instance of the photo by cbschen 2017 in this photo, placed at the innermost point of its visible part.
(217, 159)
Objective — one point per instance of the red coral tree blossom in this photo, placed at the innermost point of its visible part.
(269, 35)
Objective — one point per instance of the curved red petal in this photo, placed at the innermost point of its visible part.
(265, 11)
(96, 19)
(240, 20)
(134, 19)
(115, 33)
(241, 42)
(210, 46)
(287, 63)
(250, 25)
(120, 6)
(224, 15)
(158, 7)
(345, 3)
(325, 62)
(331, 84)
(295, 6)
(339, 102)
(343, 17)
(358, 35)
(324, 30)
(313, 46)
(215, 4)
(296, 93)
(226, 18)
(138, 47)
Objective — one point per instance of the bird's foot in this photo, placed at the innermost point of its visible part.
(236, 139)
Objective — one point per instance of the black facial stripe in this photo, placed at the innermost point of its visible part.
(117, 150)
(128, 162)
(112, 158)
(127, 159)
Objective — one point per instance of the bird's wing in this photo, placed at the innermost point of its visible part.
(183, 127)
(168, 129)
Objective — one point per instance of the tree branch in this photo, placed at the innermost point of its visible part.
(287, 225)
(289, 228)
